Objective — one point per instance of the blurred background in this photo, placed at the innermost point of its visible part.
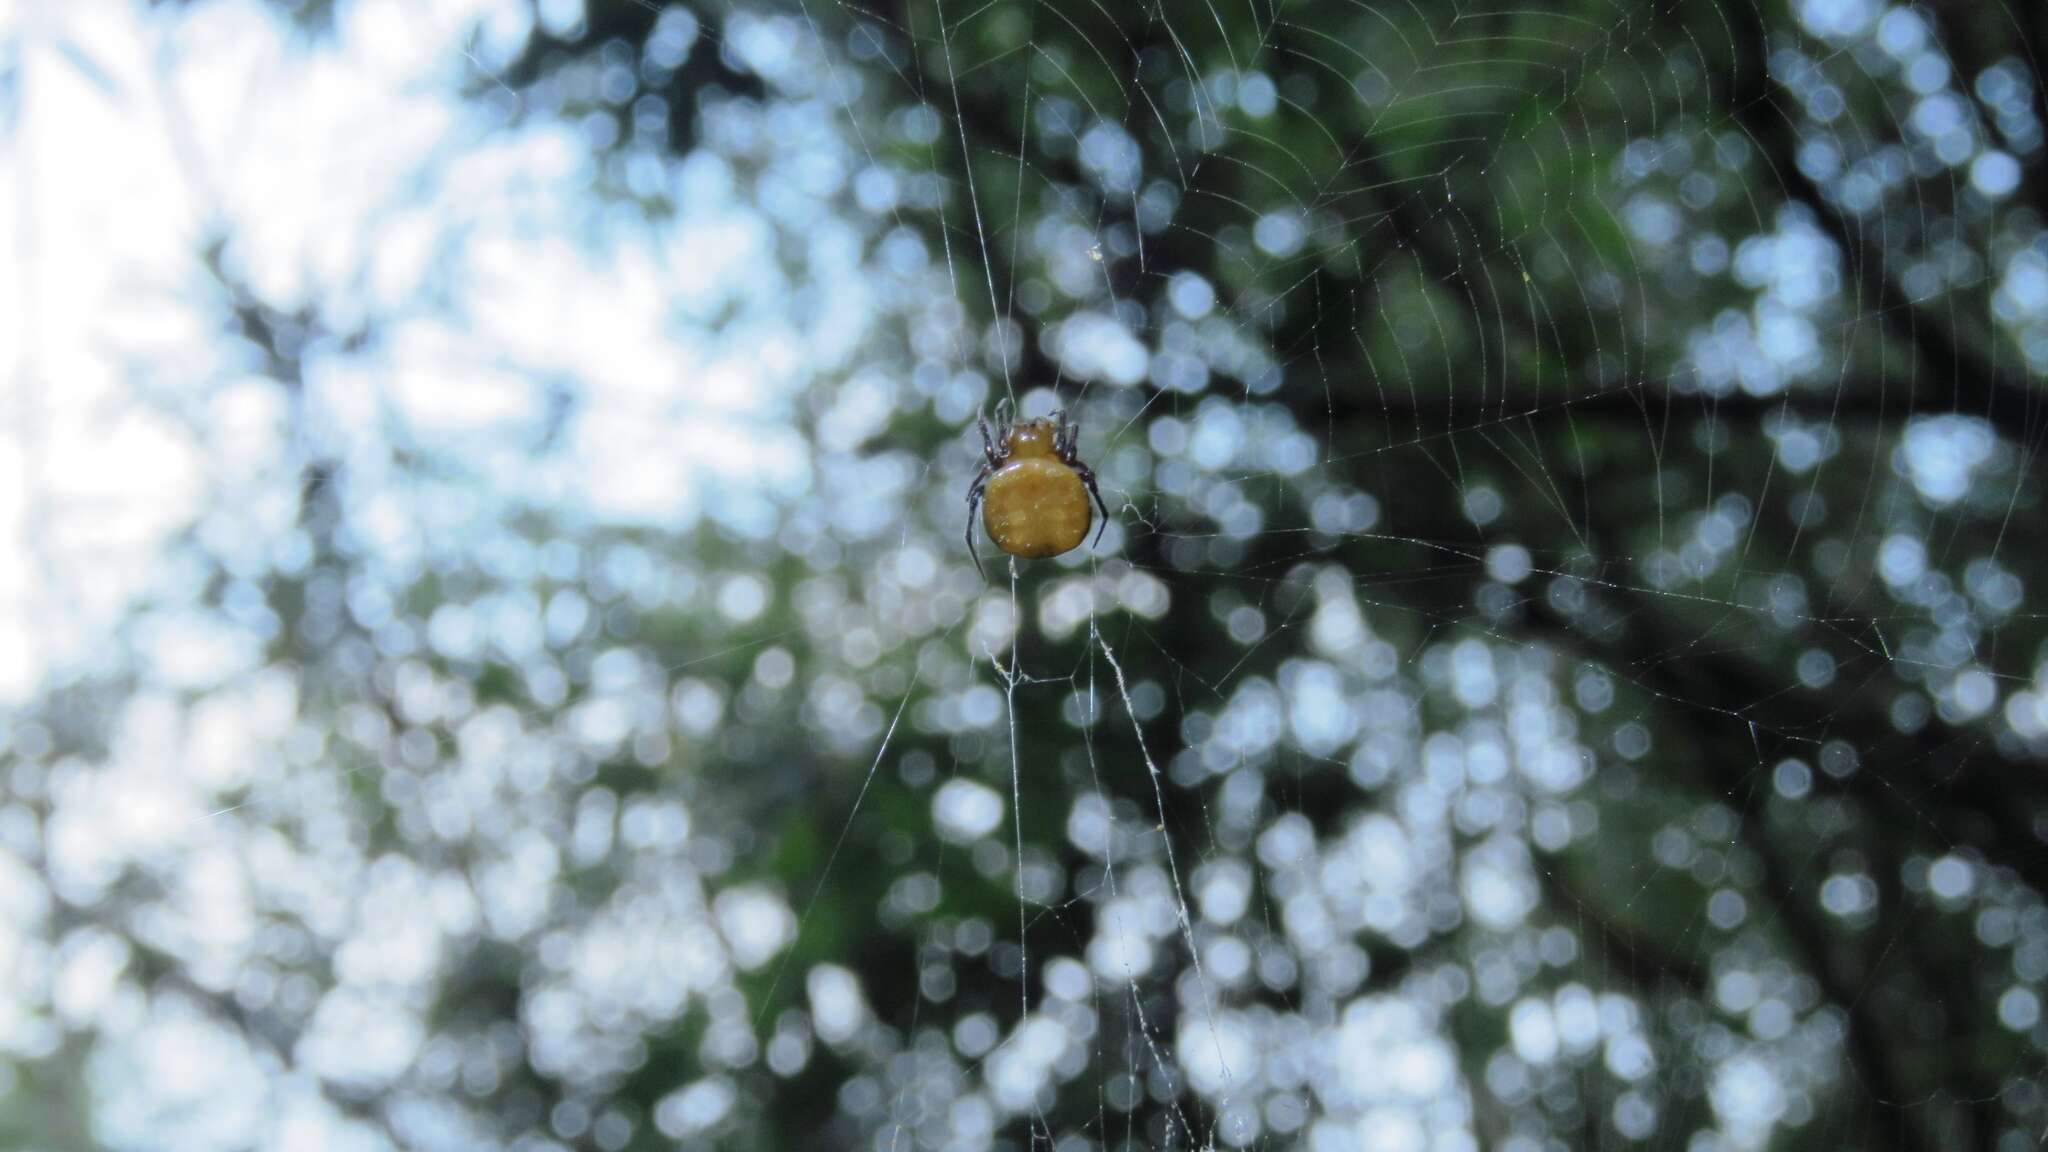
(488, 657)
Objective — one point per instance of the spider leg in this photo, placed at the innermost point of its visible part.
(1066, 439)
(1087, 476)
(973, 503)
(988, 446)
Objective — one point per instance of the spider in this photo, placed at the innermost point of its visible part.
(1033, 490)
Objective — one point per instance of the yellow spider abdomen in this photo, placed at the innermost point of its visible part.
(1036, 507)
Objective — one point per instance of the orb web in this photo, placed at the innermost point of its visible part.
(1524, 403)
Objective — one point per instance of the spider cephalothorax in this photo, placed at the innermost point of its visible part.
(1033, 490)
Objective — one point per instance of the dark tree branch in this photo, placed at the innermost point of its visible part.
(1863, 400)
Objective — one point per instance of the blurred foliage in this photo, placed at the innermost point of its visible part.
(1538, 569)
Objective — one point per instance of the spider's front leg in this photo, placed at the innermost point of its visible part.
(988, 448)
